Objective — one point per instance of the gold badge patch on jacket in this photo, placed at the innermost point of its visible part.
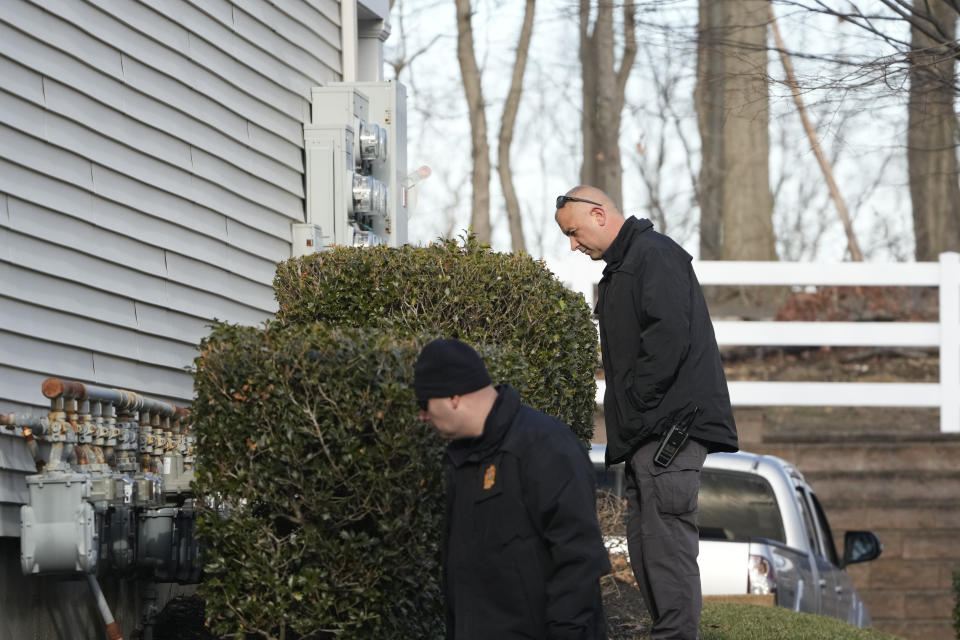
(490, 477)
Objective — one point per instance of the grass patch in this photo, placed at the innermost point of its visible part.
(724, 621)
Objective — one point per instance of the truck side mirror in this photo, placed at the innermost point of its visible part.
(861, 546)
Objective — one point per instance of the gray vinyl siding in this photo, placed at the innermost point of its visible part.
(151, 163)
(15, 463)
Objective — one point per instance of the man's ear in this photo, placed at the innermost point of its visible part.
(600, 215)
(455, 401)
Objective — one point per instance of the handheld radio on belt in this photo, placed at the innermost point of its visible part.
(673, 439)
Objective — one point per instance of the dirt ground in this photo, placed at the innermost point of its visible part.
(845, 364)
(826, 364)
(627, 616)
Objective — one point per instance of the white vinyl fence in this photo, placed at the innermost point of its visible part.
(944, 335)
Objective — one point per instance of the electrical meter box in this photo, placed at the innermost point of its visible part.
(307, 239)
(356, 162)
(330, 172)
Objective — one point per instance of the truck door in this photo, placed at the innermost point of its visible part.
(819, 565)
(825, 579)
(842, 584)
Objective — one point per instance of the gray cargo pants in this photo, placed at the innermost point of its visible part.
(662, 537)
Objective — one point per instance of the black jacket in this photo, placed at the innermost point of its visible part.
(523, 552)
(660, 356)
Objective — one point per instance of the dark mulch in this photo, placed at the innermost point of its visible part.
(181, 619)
(627, 616)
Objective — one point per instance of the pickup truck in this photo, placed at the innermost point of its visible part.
(764, 537)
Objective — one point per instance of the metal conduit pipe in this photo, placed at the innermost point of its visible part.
(61, 435)
(121, 399)
(32, 419)
(113, 629)
(32, 447)
(32, 425)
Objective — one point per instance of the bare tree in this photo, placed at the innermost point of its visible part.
(507, 122)
(411, 51)
(928, 60)
(553, 96)
(404, 58)
(932, 129)
(710, 117)
(925, 16)
(604, 87)
(480, 148)
(670, 189)
(825, 166)
(733, 113)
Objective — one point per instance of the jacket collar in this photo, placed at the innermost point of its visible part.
(617, 250)
(495, 429)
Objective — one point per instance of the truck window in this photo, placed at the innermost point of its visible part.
(738, 506)
(808, 524)
(825, 533)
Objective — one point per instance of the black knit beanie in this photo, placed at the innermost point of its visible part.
(448, 367)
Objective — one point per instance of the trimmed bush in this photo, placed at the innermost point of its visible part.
(469, 292)
(329, 487)
(328, 490)
(324, 492)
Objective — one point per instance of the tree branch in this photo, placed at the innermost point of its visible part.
(852, 244)
(507, 123)
(629, 49)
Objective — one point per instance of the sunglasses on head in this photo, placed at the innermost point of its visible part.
(562, 200)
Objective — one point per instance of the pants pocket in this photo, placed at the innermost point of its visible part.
(677, 491)
(678, 485)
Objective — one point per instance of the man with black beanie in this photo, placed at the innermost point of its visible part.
(523, 553)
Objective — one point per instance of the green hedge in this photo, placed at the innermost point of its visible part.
(331, 485)
(465, 291)
(325, 491)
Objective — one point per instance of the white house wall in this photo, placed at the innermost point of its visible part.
(151, 162)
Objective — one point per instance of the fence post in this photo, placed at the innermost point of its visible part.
(949, 342)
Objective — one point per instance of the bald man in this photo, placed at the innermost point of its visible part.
(662, 369)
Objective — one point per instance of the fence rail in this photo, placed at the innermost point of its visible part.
(943, 335)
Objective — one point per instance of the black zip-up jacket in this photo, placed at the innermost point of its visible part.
(523, 552)
(660, 356)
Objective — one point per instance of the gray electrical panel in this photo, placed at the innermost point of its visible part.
(356, 163)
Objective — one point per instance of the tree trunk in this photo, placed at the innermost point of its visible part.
(733, 114)
(507, 123)
(708, 102)
(932, 134)
(480, 216)
(604, 88)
